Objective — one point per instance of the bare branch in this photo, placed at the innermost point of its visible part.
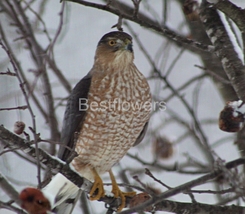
(180, 189)
(9, 73)
(28, 105)
(182, 41)
(233, 66)
(14, 108)
(233, 12)
(8, 206)
(197, 208)
(118, 25)
(148, 172)
(28, 87)
(8, 189)
(136, 7)
(14, 141)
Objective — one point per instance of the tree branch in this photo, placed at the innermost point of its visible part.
(197, 208)
(8, 189)
(234, 12)
(224, 48)
(13, 141)
(127, 12)
(8, 206)
(237, 15)
(186, 186)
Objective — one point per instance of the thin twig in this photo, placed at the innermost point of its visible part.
(213, 74)
(40, 19)
(148, 172)
(9, 189)
(29, 108)
(9, 73)
(8, 206)
(57, 34)
(35, 99)
(212, 191)
(172, 168)
(136, 7)
(14, 108)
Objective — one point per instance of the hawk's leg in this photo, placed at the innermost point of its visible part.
(118, 193)
(97, 191)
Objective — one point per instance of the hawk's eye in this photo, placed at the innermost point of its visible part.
(112, 42)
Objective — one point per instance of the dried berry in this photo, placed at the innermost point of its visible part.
(231, 118)
(19, 127)
(140, 199)
(34, 202)
(163, 148)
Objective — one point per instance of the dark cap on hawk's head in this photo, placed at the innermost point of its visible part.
(117, 40)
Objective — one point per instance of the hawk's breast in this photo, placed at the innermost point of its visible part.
(118, 108)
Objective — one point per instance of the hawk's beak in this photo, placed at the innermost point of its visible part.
(128, 45)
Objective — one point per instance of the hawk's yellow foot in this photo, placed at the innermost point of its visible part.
(97, 191)
(118, 193)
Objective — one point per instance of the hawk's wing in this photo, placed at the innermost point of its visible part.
(74, 116)
(142, 135)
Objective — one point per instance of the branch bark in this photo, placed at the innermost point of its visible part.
(224, 48)
(197, 208)
(234, 12)
(237, 15)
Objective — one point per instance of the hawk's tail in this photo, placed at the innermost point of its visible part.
(62, 193)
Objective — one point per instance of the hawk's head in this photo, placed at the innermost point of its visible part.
(115, 49)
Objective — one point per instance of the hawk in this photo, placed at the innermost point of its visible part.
(107, 113)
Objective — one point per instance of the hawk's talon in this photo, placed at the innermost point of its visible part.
(97, 191)
(123, 196)
(118, 193)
